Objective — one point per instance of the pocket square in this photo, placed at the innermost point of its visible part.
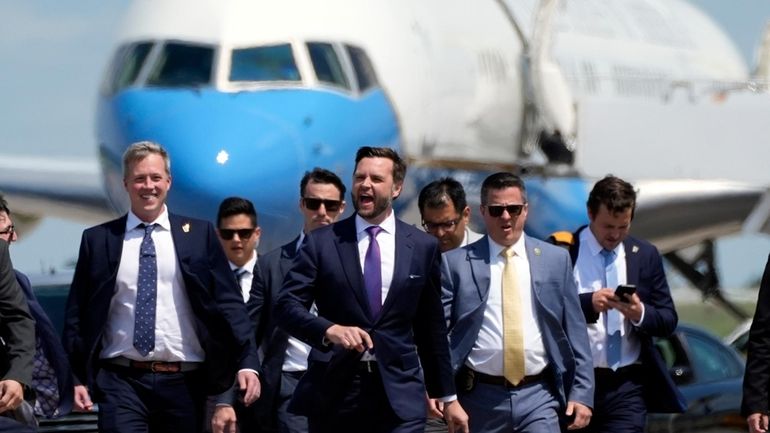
(414, 276)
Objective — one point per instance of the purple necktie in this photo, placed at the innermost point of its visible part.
(373, 272)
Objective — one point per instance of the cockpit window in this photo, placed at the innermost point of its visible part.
(327, 65)
(126, 65)
(267, 63)
(182, 65)
(363, 67)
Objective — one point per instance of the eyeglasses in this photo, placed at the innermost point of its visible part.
(496, 211)
(315, 203)
(228, 234)
(447, 226)
(8, 230)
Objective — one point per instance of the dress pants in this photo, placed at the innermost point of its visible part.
(530, 408)
(8, 425)
(365, 408)
(287, 421)
(140, 401)
(618, 401)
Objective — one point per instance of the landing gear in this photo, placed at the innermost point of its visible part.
(702, 273)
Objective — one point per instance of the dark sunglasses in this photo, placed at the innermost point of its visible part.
(447, 226)
(315, 203)
(8, 230)
(228, 234)
(496, 211)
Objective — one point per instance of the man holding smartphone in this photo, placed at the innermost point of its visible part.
(626, 301)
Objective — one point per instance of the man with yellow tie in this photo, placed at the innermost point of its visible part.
(517, 335)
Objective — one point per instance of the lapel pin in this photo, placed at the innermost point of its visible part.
(635, 249)
(537, 251)
(186, 227)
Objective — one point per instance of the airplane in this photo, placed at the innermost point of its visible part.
(247, 95)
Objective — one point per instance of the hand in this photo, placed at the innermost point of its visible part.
(600, 299)
(456, 418)
(11, 395)
(632, 309)
(757, 423)
(82, 401)
(582, 415)
(223, 420)
(435, 408)
(248, 384)
(349, 337)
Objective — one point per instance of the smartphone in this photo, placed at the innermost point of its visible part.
(625, 289)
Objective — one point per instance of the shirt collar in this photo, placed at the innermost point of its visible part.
(594, 247)
(248, 266)
(389, 225)
(133, 221)
(519, 248)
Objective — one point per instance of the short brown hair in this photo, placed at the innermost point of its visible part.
(399, 165)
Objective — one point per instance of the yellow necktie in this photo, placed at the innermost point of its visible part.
(513, 329)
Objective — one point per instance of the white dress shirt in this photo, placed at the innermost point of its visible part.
(486, 356)
(589, 275)
(175, 337)
(248, 277)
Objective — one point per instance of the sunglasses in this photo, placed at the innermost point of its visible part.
(228, 234)
(8, 230)
(447, 226)
(496, 211)
(315, 203)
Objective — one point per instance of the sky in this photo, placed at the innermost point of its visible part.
(54, 53)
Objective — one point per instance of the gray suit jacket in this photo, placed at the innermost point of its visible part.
(465, 287)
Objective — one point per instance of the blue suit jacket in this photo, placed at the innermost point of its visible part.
(51, 345)
(409, 335)
(222, 323)
(465, 281)
(644, 268)
(273, 340)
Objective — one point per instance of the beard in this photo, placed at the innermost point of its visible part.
(381, 205)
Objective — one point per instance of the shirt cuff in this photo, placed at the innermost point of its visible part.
(641, 319)
(249, 369)
(447, 399)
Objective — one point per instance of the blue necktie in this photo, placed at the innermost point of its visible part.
(146, 294)
(613, 317)
(373, 272)
(239, 273)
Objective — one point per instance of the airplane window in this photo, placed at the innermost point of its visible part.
(182, 65)
(365, 74)
(127, 64)
(270, 63)
(327, 65)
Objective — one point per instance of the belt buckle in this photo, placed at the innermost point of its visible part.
(163, 367)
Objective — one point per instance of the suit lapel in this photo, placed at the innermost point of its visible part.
(287, 256)
(479, 259)
(632, 260)
(347, 248)
(403, 259)
(116, 232)
(536, 267)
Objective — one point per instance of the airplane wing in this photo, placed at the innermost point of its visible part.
(67, 188)
(676, 214)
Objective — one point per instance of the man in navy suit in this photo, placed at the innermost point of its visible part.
(321, 202)
(379, 339)
(52, 377)
(16, 356)
(155, 320)
(517, 335)
(631, 378)
(239, 232)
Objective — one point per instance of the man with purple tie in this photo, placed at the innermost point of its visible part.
(380, 326)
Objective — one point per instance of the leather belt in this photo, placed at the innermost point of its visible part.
(155, 366)
(502, 381)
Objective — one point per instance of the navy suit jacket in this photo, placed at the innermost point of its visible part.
(465, 281)
(222, 323)
(644, 268)
(756, 380)
(409, 335)
(16, 327)
(51, 345)
(272, 339)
